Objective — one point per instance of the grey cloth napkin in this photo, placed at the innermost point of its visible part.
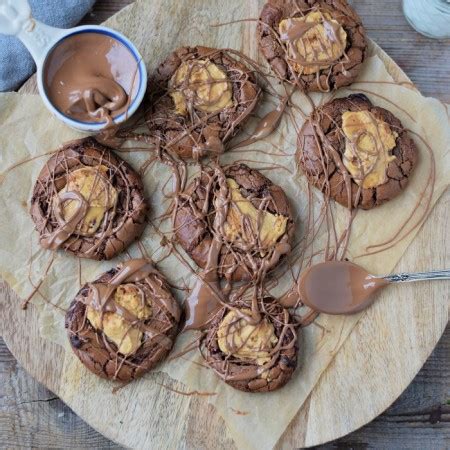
(16, 64)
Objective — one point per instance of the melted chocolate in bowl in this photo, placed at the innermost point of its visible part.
(338, 287)
(91, 77)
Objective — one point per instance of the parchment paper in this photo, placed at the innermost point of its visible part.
(28, 130)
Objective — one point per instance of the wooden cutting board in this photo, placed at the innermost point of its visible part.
(376, 363)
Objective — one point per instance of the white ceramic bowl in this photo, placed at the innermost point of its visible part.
(41, 39)
(140, 79)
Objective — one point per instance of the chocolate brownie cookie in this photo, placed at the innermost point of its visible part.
(252, 352)
(125, 322)
(355, 152)
(318, 45)
(199, 97)
(242, 210)
(88, 201)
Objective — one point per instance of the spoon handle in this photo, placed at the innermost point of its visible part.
(419, 276)
(16, 20)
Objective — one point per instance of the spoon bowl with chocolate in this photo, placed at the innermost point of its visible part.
(341, 287)
(89, 77)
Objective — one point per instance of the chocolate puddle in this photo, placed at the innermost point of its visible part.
(206, 297)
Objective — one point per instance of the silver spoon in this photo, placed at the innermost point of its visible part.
(341, 287)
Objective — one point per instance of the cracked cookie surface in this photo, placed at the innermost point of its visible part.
(319, 45)
(198, 98)
(349, 144)
(252, 357)
(259, 221)
(88, 201)
(131, 330)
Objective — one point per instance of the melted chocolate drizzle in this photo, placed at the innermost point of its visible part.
(141, 273)
(48, 200)
(208, 298)
(56, 238)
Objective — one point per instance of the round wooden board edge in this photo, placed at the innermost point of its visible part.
(397, 74)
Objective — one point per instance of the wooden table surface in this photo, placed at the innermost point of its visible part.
(32, 416)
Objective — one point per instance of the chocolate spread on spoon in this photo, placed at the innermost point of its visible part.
(338, 287)
(90, 76)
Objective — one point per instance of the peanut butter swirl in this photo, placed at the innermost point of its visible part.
(314, 42)
(369, 142)
(202, 85)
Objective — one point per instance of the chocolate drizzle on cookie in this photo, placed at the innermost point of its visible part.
(241, 209)
(252, 356)
(199, 97)
(315, 45)
(56, 238)
(325, 146)
(295, 30)
(87, 201)
(123, 324)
